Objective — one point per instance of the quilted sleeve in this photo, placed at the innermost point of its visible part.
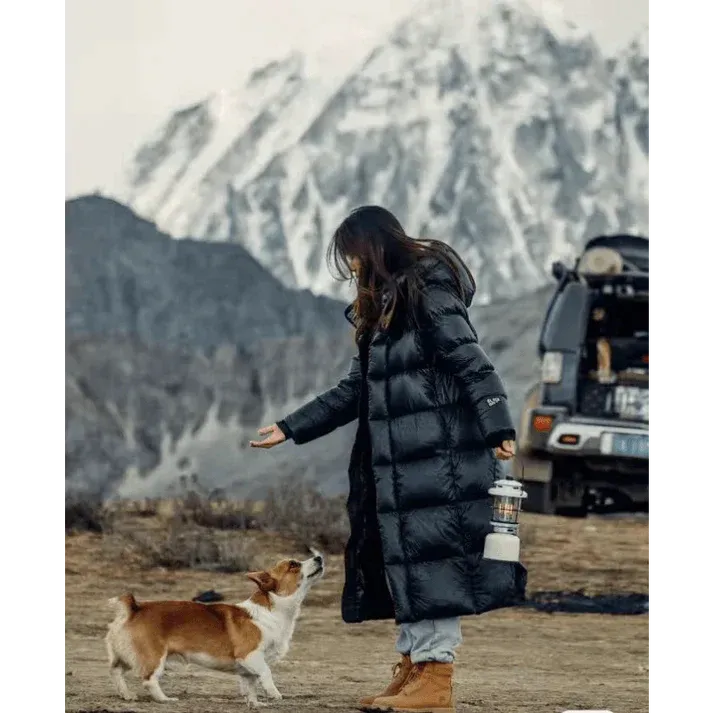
(450, 335)
(328, 411)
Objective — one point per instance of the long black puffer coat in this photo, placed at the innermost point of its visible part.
(431, 408)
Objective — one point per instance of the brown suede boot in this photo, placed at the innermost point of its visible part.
(428, 689)
(400, 673)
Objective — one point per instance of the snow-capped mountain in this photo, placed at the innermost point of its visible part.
(496, 126)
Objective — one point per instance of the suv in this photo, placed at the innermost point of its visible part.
(583, 441)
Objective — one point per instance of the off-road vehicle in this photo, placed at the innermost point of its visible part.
(583, 440)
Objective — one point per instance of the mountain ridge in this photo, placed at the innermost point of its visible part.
(515, 153)
(125, 277)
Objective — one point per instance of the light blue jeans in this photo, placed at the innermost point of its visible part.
(430, 640)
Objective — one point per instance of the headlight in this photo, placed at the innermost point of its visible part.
(552, 368)
(632, 402)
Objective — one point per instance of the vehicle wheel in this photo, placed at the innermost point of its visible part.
(539, 498)
(566, 502)
(572, 511)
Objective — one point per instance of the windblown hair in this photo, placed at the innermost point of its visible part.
(387, 280)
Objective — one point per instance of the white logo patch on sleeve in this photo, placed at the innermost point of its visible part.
(493, 401)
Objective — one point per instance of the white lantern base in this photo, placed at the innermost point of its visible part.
(502, 546)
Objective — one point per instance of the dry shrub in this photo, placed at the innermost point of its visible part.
(148, 507)
(178, 547)
(85, 515)
(207, 531)
(297, 510)
(294, 509)
(217, 512)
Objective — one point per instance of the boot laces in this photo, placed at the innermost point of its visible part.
(413, 674)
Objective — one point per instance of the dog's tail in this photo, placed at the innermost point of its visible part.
(124, 605)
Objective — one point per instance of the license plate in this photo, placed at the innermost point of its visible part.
(634, 446)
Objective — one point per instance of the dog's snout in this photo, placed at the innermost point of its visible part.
(319, 559)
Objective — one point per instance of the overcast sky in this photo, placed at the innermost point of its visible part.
(130, 63)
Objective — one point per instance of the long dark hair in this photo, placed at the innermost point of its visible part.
(387, 278)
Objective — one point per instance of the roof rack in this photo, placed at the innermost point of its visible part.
(628, 282)
(625, 284)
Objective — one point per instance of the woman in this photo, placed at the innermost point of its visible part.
(433, 420)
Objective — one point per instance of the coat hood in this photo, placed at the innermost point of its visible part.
(435, 272)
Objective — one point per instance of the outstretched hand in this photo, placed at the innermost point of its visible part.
(505, 451)
(274, 434)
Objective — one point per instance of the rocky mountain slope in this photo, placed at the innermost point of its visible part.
(164, 335)
(496, 126)
(141, 417)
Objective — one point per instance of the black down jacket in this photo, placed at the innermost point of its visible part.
(431, 408)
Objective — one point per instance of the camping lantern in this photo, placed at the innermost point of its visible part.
(503, 543)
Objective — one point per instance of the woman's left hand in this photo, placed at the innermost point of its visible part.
(505, 451)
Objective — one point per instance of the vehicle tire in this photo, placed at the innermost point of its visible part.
(572, 511)
(563, 472)
(539, 498)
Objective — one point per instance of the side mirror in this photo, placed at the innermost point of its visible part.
(559, 270)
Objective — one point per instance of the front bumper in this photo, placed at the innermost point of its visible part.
(582, 436)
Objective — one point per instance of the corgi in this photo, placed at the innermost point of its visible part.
(243, 638)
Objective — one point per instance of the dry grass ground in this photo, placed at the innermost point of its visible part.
(512, 661)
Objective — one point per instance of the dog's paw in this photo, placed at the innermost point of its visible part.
(129, 696)
(275, 695)
(256, 704)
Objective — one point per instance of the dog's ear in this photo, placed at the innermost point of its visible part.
(264, 580)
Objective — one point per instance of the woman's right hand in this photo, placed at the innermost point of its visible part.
(505, 451)
(274, 434)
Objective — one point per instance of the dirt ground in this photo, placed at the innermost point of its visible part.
(512, 661)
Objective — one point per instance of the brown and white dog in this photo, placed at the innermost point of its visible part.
(243, 638)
